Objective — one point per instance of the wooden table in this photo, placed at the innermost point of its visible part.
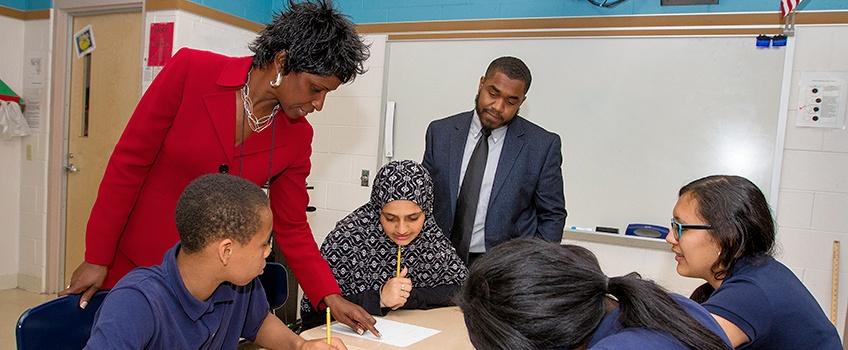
(453, 335)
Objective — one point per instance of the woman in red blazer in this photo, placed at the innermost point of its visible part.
(207, 113)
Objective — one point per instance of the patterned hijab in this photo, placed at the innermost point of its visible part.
(363, 257)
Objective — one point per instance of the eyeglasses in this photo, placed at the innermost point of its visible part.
(678, 228)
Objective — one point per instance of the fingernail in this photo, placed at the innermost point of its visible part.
(83, 305)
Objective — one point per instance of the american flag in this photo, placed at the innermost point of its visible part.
(786, 6)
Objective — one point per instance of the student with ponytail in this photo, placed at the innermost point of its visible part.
(529, 294)
(722, 232)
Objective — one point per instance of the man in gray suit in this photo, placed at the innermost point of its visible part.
(496, 176)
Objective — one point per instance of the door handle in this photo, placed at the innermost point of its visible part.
(71, 168)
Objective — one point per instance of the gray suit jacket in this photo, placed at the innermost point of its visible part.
(527, 195)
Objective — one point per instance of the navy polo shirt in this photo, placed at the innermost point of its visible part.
(766, 300)
(150, 308)
(610, 335)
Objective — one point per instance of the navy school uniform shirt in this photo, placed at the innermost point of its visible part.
(765, 300)
(150, 308)
(610, 335)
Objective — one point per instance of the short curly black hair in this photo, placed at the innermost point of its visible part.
(317, 39)
(514, 68)
(218, 206)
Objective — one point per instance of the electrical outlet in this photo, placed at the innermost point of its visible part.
(363, 179)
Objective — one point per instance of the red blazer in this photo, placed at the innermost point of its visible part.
(184, 127)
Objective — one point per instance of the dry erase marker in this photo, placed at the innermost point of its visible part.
(329, 332)
(582, 229)
(397, 274)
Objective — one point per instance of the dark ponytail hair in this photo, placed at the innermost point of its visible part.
(530, 294)
(643, 303)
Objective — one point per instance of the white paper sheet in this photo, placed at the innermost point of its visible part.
(393, 333)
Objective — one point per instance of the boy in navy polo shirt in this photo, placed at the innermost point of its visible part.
(205, 294)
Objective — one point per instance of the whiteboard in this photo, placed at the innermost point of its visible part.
(638, 117)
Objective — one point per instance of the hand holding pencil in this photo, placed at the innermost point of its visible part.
(330, 343)
(396, 291)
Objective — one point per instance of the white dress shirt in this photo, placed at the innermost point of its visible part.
(478, 233)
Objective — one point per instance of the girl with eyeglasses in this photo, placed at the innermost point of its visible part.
(723, 232)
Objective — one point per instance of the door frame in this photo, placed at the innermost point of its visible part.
(62, 32)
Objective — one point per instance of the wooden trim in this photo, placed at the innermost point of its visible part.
(12, 13)
(96, 7)
(57, 79)
(203, 11)
(37, 14)
(24, 15)
(578, 22)
(753, 23)
(836, 17)
(583, 33)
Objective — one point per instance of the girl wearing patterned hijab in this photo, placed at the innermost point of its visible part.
(362, 249)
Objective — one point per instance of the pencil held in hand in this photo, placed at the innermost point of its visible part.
(329, 332)
(397, 273)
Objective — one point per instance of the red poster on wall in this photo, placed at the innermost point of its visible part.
(161, 44)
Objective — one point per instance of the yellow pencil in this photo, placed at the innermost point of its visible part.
(329, 332)
(397, 274)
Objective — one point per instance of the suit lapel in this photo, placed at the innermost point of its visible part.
(513, 144)
(457, 149)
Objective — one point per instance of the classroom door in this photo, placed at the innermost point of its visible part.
(104, 89)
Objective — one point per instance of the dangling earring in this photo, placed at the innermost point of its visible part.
(276, 83)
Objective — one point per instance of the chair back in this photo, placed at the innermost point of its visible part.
(58, 324)
(275, 280)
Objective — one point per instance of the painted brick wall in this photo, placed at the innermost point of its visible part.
(197, 32)
(345, 143)
(813, 207)
(33, 154)
(11, 71)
